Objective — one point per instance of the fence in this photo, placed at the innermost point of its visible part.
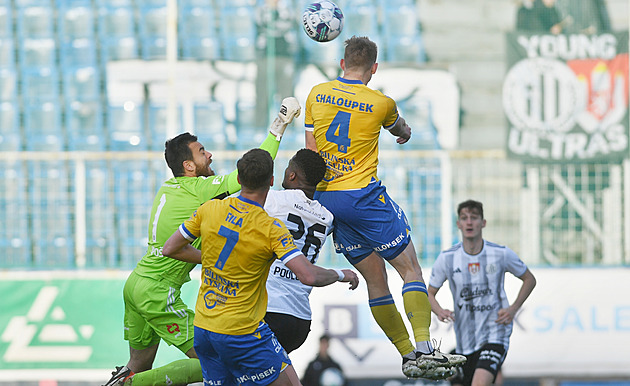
(64, 210)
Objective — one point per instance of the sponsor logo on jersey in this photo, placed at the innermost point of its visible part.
(479, 307)
(172, 328)
(256, 377)
(468, 293)
(457, 270)
(491, 269)
(391, 244)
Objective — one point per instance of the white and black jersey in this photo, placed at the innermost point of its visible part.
(309, 223)
(476, 283)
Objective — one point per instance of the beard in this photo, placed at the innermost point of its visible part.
(205, 170)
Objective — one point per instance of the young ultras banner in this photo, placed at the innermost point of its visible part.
(566, 97)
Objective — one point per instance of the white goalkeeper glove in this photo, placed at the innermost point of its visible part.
(289, 109)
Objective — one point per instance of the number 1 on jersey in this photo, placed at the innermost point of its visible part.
(338, 131)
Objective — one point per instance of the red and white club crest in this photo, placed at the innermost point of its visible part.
(474, 268)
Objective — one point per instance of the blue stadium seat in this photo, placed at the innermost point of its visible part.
(51, 207)
(418, 113)
(195, 3)
(115, 21)
(424, 186)
(125, 127)
(360, 19)
(401, 26)
(238, 33)
(37, 53)
(84, 122)
(200, 48)
(10, 138)
(40, 84)
(100, 230)
(158, 122)
(198, 33)
(210, 125)
(152, 26)
(125, 48)
(35, 22)
(405, 49)
(76, 20)
(249, 131)
(197, 21)
(134, 186)
(152, 23)
(7, 56)
(78, 53)
(42, 126)
(6, 20)
(321, 53)
(153, 48)
(14, 232)
(8, 84)
(81, 83)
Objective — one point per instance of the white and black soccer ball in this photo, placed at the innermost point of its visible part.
(322, 20)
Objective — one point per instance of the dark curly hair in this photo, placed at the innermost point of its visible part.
(311, 164)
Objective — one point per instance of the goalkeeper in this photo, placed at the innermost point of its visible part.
(154, 310)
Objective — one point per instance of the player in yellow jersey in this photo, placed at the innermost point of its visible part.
(343, 122)
(154, 309)
(239, 242)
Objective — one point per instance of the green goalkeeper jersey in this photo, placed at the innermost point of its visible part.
(173, 204)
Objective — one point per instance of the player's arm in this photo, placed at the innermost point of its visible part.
(310, 140)
(506, 315)
(289, 109)
(443, 315)
(317, 276)
(401, 130)
(178, 247)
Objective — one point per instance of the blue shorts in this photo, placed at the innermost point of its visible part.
(252, 359)
(366, 220)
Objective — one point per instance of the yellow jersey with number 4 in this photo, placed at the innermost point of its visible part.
(346, 117)
(239, 241)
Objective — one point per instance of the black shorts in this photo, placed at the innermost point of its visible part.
(490, 357)
(290, 331)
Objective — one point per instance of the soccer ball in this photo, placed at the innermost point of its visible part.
(322, 21)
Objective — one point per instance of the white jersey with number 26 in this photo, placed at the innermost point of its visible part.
(309, 223)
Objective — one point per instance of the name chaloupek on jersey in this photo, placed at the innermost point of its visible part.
(477, 285)
(239, 241)
(346, 117)
(309, 223)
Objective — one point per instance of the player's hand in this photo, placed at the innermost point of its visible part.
(350, 277)
(445, 316)
(505, 316)
(405, 136)
(289, 109)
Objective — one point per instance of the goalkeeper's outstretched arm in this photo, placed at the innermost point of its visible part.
(289, 110)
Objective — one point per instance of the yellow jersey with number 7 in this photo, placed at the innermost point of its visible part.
(346, 117)
(239, 241)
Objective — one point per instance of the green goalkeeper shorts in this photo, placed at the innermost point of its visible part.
(154, 310)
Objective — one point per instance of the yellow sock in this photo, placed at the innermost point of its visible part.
(389, 319)
(418, 309)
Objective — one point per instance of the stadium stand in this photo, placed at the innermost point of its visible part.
(55, 97)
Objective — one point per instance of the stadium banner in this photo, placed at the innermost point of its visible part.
(565, 97)
(69, 328)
